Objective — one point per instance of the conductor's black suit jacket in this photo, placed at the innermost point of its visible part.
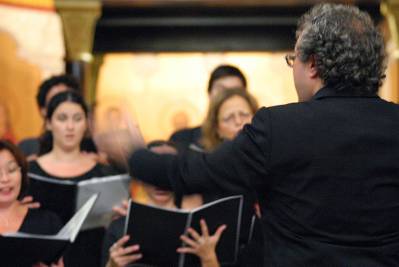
(326, 172)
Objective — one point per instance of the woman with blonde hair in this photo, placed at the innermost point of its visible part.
(228, 112)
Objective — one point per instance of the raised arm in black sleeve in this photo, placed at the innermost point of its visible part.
(234, 167)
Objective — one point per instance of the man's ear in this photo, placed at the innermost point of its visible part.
(312, 67)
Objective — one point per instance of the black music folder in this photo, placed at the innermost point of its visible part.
(64, 197)
(158, 230)
(22, 249)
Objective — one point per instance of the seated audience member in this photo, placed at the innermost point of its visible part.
(16, 217)
(116, 255)
(222, 78)
(48, 89)
(5, 125)
(61, 158)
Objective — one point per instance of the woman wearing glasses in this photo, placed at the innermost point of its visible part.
(15, 216)
(228, 112)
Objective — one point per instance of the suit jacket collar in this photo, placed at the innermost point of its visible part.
(327, 91)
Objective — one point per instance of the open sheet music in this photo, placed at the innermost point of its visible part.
(158, 230)
(64, 197)
(22, 249)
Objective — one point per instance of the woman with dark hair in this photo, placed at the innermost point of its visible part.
(226, 77)
(17, 217)
(61, 158)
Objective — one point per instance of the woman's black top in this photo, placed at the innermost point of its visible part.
(41, 222)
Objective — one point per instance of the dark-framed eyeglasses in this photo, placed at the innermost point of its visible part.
(290, 58)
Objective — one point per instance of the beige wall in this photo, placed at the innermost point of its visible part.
(18, 85)
(31, 49)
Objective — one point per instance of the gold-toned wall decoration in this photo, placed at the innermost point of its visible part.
(79, 18)
(18, 87)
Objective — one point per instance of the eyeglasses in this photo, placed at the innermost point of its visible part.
(230, 119)
(290, 58)
(10, 171)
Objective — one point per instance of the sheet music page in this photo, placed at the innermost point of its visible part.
(111, 189)
(71, 229)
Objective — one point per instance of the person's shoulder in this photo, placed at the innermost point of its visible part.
(29, 146)
(388, 104)
(88, 145)
(28, 141)
(184, 134)
(33, 166)
(32, 163)
(273, 111)
(286, 107)
(101, 169)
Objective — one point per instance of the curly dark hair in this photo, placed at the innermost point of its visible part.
(348, 49)
(45, 87)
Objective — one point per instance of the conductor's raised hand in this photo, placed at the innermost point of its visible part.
(117, 144)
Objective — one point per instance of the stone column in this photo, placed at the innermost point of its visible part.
(79, 18)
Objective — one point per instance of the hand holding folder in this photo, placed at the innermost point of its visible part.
(158, 230)
(204, 245)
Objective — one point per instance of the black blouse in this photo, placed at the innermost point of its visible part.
(98, 170)
(42, 222)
